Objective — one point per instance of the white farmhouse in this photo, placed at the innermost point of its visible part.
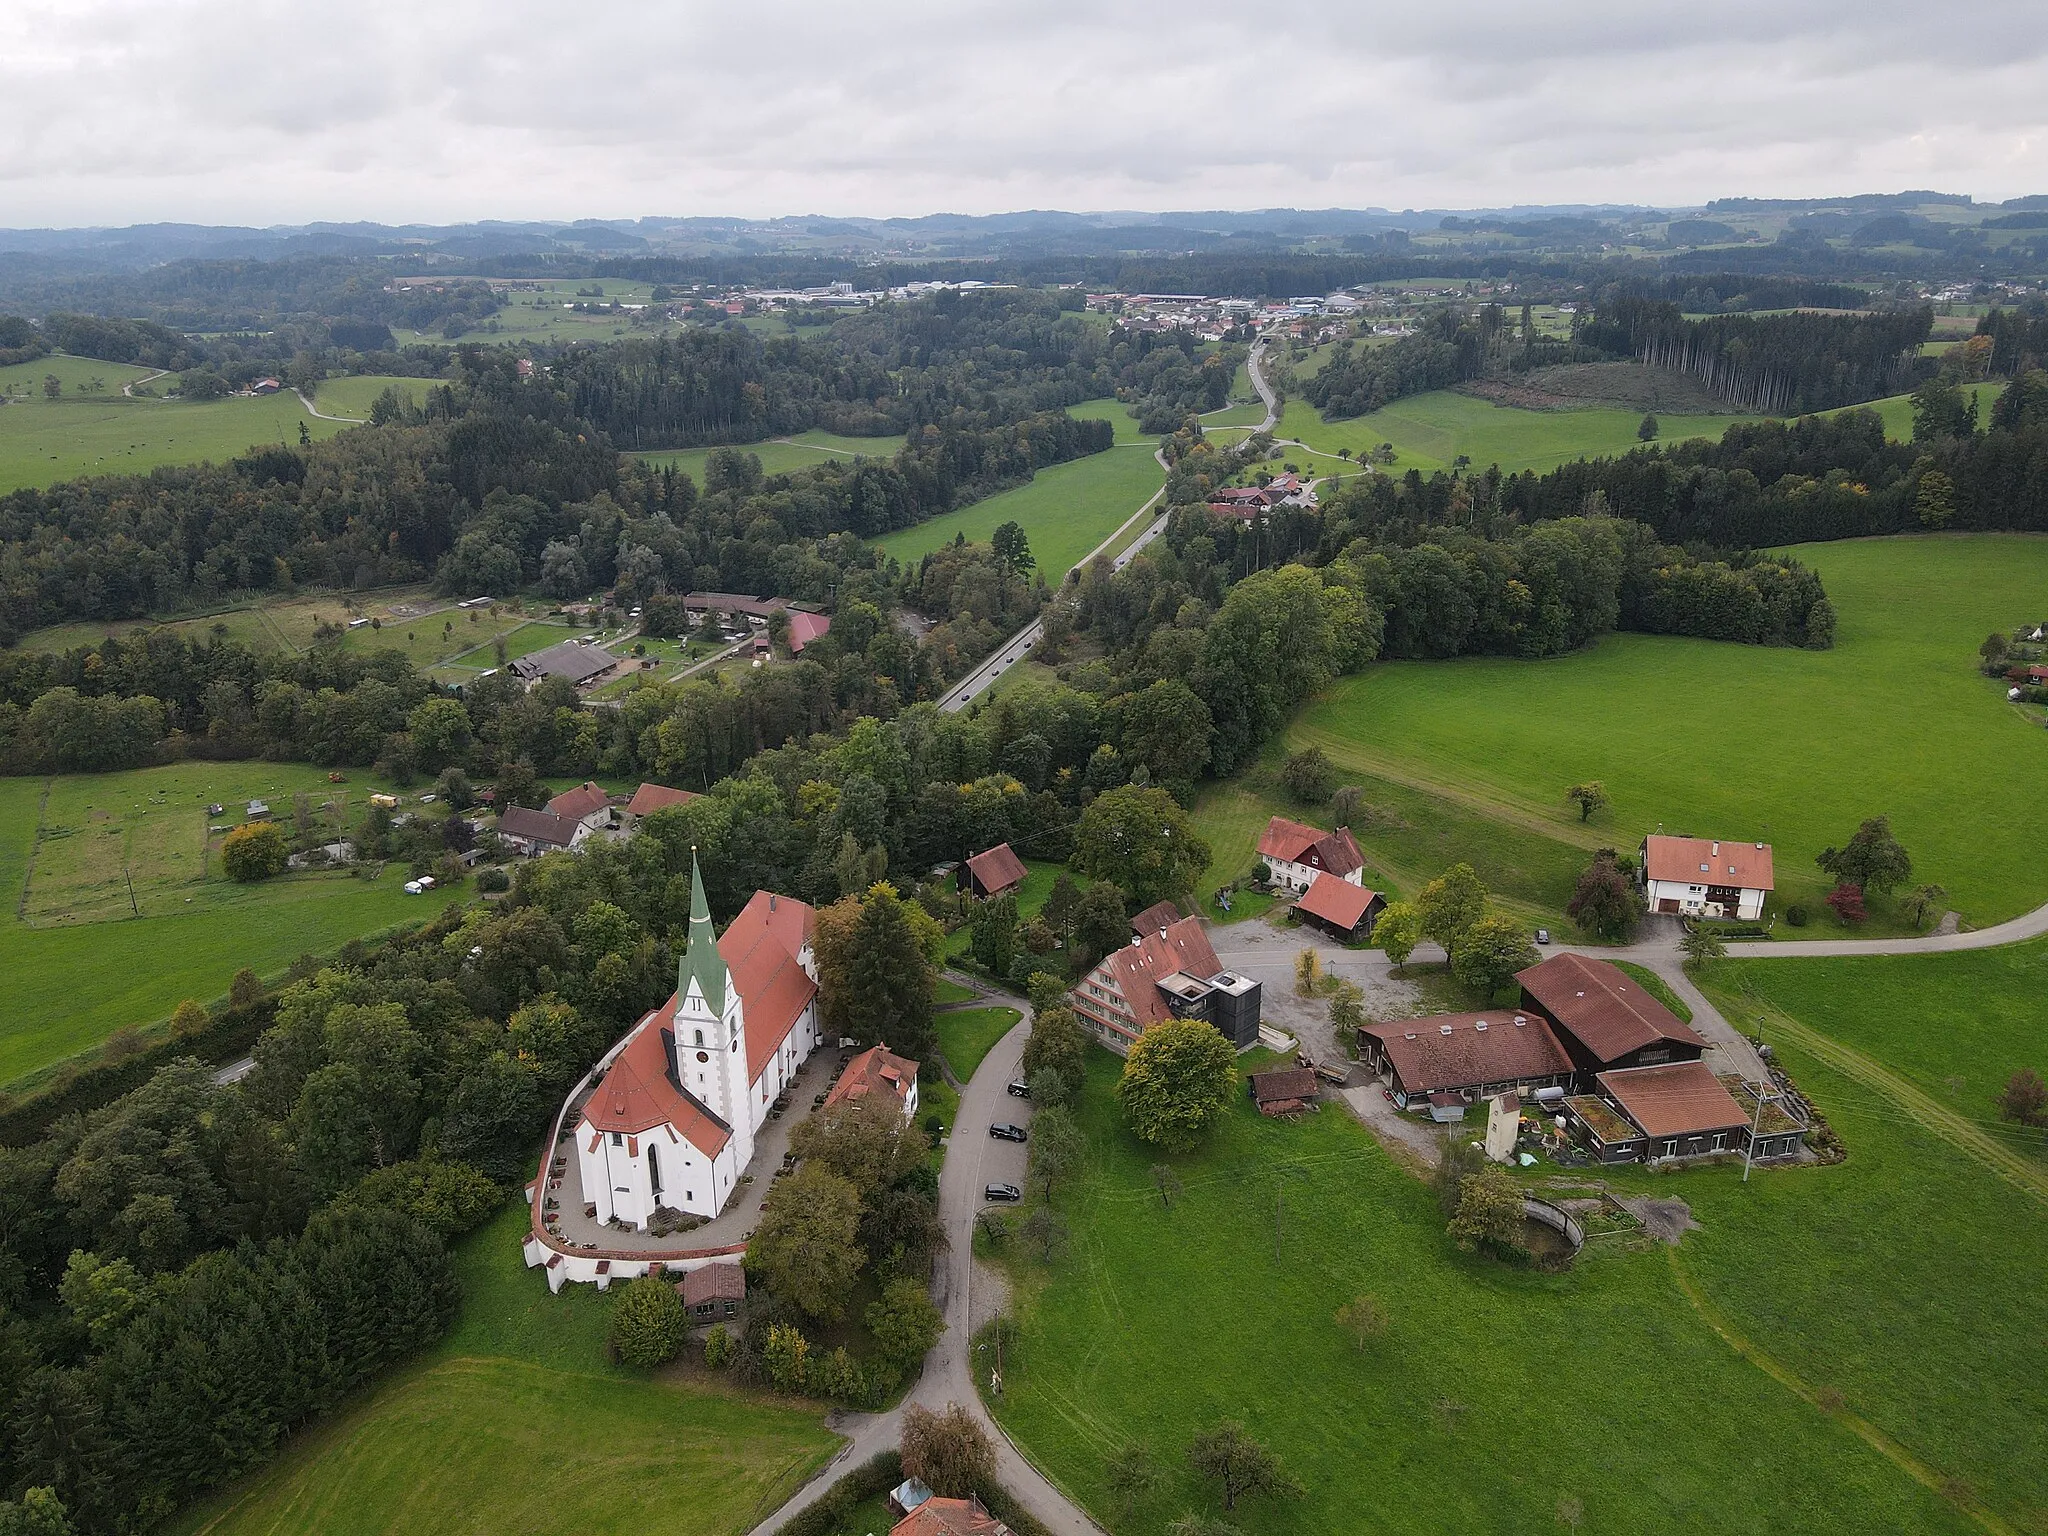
(1295, 854)
(672, 1122)
(1705, 877)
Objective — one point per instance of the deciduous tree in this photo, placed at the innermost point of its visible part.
(1238, 1465)
(1177, 1082)
(804, 1248)
(1449, 905)
(1397, 930)
(1489, 1210)
(649, 1323)
(1492, 950)
(1589, 796)
(1057, 1044)
(1605, 903)
(2024, 1098)
(254, 852)
(1140, 838)
(947, 1452)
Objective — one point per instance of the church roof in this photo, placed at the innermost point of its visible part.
(761, 946)
(638, 1094)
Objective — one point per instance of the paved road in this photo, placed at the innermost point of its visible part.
(972, 1160)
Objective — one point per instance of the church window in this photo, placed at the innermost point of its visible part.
(700, 1037)
(618, 1139)
(653, 1170)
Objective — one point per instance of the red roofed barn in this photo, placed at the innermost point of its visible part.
(998, 872)
(1295, 854)
(1603, 1017)
(671, 1124)
(1339, 908)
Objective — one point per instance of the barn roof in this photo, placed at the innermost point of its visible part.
(713, 1282)
(1680, 1098)
(1463, 1050)
(1335, 900)
(649, 798)
(1605, 1009)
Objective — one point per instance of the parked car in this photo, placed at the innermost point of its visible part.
(1020, 1089)
(1003, 1131)
(1002, 1194)
(1542, 935)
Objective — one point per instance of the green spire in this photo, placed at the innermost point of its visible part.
(702, 960)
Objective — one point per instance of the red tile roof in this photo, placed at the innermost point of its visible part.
(1680, 1098)
(1288, 1084)
(713, 1282)
(1335, 900)
(949, 1517)
(760, 948)
(998, 869)
(1708, 861)
(1603, 1006)
(536, 826)
(876, 1070)
(1136, 969)
(637, 1094)
(1295, 843)
(1161, 914)
(804, 628)
(577, 803)
(1427, 1060)
(649, 798)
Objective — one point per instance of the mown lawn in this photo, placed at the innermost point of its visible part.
(1065, 511)
(966, 1035)
(1747, 742)
(515, 1424)
(1499, 1399)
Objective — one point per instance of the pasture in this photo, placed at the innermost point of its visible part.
(781, 455)
(516, 1418)
(43, 441)
(354, 396)
(1746, 742)
(1607, 1398)
(534, 310)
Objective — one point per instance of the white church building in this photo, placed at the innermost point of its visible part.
(672, 1121)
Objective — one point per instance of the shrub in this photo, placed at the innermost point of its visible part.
(1796, 915)
(254, 852)
(717, 1347)
(492, 878)
(1847, 902)
(649, 1323)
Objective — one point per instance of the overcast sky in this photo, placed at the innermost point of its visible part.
(277, 111)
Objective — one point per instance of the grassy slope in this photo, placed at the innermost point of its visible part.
(1792, 746)
(781, 456)
(1497, 1392)
(1065, 511)
(968, 1034)
(69, 987)
(353, 396)
(515, 1421)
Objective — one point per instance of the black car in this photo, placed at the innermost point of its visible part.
(1020, 1089)
(1002, 1131)
(1002, 1194)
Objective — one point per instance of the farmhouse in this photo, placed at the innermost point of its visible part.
(671, 1124)
(1173, 973)
(997, 872)
(532, 832)
(1338, 907)
(1705, 877)
(877, 1072)
(580, 664)
(649, 798)
(1465, 1055)
(1603, 1017)
(588, 808)
(1294, 854)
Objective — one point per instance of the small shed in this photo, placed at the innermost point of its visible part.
(713, 1292)
(1286, 1092)
(1341, 909)
(996, 872)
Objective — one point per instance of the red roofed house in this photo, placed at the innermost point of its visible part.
(877, 1072)
(1166, 975)
(713, 1292)
(1705, 877)
(672, 1121)
(649, 798)
(998, 872)
(1295, 854)
(949, 1517)
(804, 628)
(587, 806)
(1343, 910)
(1603, 1017)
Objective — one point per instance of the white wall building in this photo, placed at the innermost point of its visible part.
(1295, 854)
(1705, 877)
(672, 1121)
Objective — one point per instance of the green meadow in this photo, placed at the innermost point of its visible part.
(1742, 742)
(968, 1034)
(354, 396)
(516, 1426)
(782, 455)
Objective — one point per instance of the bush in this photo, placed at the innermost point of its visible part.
(254, 852)
(649, 1323)
(1796, 915)
(717, 1347)
(492, 878)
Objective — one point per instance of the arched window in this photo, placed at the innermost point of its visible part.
(700, 1037)
(653, 1168)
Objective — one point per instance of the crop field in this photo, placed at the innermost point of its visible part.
(71, 984)
(514, 1419)
(1065, 511)
(782, 455)
(1632, 1393)
(43, 441)
(1790, 747)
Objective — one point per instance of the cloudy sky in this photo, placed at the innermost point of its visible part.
(272, 111)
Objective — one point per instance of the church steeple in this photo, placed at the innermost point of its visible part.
(701, 961)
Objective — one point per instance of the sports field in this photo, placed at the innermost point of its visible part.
(43, 441)
(1746, 742)
(516, 1425)
(783, 455)
(1605, 1399)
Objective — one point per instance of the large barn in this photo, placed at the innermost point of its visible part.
(1604, 1017)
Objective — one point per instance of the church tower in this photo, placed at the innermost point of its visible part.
(710, 1026)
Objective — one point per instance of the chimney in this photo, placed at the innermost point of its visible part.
(1521, 1021)
(771, 901)
(1717, 847)
(1481, 1025)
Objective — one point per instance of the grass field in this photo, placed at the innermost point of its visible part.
(354, 396)
(1116, 413)
(73, 982)
(781, 456)
(515, 1421)
(1500, 1398)
(1065, 511)
(1792, 747)
(43, 441)
(968, 1034)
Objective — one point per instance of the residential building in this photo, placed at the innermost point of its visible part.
(671, 1124)
(877, 1072)
(532, 832)
(1170, 974)
(1466, 1056)
(950, 1517)
(1157, 918)
(1340, 908)
(1706, 877)
(1604, 1017)
(996, 872)
(588, 808)
(579, 663)
(1295, 854)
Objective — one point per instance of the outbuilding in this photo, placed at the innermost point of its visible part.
(1604, 1017)
(713, 1293)
(1681, 1108)
(1465, 1055)
(996, 872)
(1341, 909)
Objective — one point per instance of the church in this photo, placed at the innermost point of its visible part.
(672, 1121)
